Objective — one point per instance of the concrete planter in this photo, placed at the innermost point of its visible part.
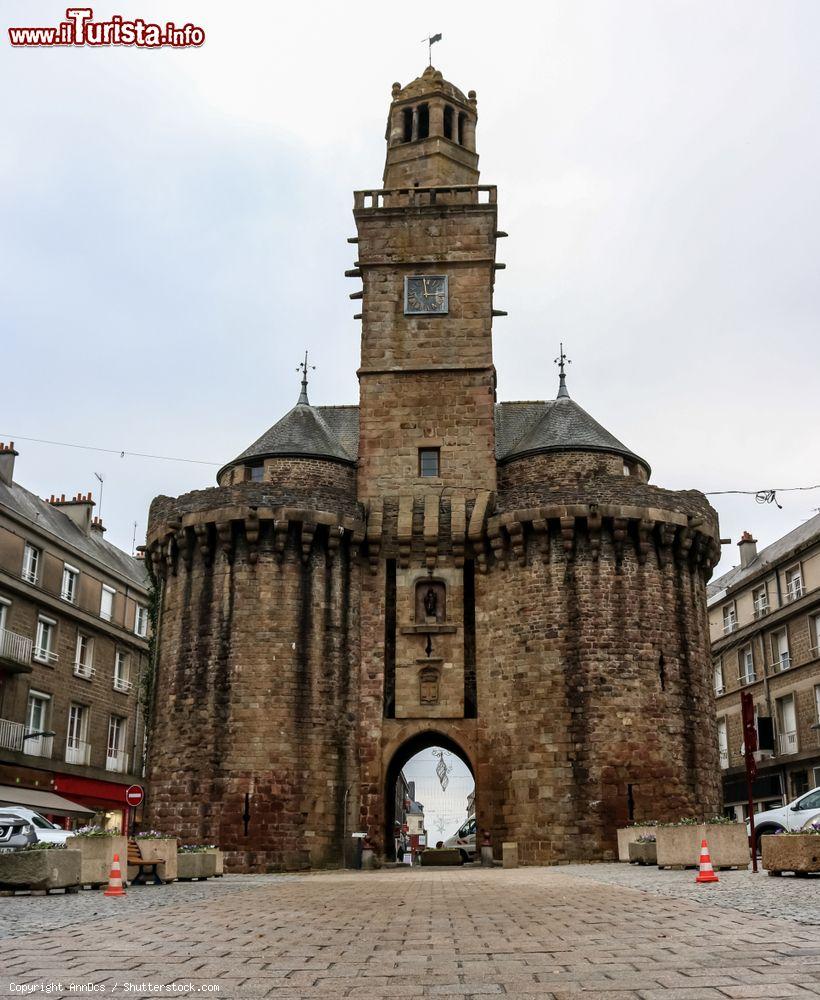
(441, 856)
(158, 850)
(97, 856)
(798, 853)
(220, 860)
(643, 854)
(679, 846)
(40, 871)
(194, 866)
(628, 835)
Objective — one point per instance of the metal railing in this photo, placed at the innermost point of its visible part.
(45, 655)
(14, 647)
(116, 760)
(84, 670)
(11, 734)
(29, 576)
(77, 752)
(122, 684)
(761, 608)
(38, 746)
(781, 664)
(788, 743)
(730, 626)
(794, 591)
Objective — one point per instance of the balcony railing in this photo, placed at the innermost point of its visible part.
(116, 760)
(122, 684)
(761, 608)
(14, 647)
(30, 576)
(11, 735)
(84, 670)
(788, 743)
(471, 194)
(77, 752)
(781, 664)
(747, 678)
(45, 655)
(729, 627)
(794, 591)
(38, 746)
(724, 758)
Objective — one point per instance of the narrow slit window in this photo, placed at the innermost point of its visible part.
(448, 122)
(424, 121)
(407, 129)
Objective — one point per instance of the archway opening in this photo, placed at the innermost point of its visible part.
(430, 796)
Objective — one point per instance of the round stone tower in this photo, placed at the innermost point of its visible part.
(430, 568)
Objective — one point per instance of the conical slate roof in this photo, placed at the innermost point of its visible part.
(556, 425)
(304, 431)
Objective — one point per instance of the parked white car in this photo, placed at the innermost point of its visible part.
(43, 830)
(464, 840)
(793, 816)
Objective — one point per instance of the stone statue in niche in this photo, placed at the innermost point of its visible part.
(431, 596)
(428, 686)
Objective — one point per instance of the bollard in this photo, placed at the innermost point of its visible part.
(486, 851)
(509, 854)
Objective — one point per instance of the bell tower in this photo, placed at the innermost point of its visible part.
(426, 257)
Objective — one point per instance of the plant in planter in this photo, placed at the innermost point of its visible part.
(644, 850)
(195, 861)
(40, 867)
(795, 851)
(97, 847)
(629, 835)
(156, 846)
(679, 843)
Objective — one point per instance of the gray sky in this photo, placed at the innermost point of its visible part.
(444, 809)
(173, 229)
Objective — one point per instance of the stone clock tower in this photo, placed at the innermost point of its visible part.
(426, 256)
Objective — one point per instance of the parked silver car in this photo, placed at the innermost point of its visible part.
(15, 832)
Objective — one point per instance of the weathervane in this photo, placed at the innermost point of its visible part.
(431, 41)
(562, 360)
(303, 367)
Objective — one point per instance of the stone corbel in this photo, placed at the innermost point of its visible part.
(185, 546)
(458, 528)
(404, 529)
(308, 531)
(157, 563)
(542, 537)
(335, 533)
(685, 539)
(252, 535)
(594, 525)
(170, 555)
(666, 539)
(644, 538)
(431, 512)
(356, 540)
(568, 536)
(518, 541)
(497, 545)
(224, 533)
(619, 529)
(280, 538)
(204, 542)
(375, 520)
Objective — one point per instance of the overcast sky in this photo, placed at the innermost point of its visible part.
(173, 230)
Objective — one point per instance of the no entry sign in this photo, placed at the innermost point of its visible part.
(134, 795)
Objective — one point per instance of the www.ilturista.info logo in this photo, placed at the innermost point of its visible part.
(80, 29)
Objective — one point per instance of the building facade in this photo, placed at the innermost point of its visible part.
(73, 650)
(764, 622)
(431, 567)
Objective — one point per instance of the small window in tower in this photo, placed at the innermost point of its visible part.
(256, 472)
(428, 463)
(462, 121)
(448, 122)
(424, 121)
(407, 131)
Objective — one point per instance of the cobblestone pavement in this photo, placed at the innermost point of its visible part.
(526, 933)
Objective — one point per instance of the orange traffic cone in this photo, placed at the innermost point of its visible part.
(115, 879)
(707, 872)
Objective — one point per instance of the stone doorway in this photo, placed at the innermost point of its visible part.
(445, 810)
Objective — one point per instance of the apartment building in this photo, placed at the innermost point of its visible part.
(764, 620)
(73, 649)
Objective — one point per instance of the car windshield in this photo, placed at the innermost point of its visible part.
(42, 822)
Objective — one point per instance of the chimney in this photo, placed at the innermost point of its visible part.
(7, 457)
(79, 510)
(97, 525)
(748, 549)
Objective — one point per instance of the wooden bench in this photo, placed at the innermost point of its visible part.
(145, 868)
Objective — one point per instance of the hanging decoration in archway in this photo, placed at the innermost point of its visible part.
(442, 769)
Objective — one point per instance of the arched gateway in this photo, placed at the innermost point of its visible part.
(501, 573)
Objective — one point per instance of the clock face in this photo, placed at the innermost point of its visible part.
(424, 294)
